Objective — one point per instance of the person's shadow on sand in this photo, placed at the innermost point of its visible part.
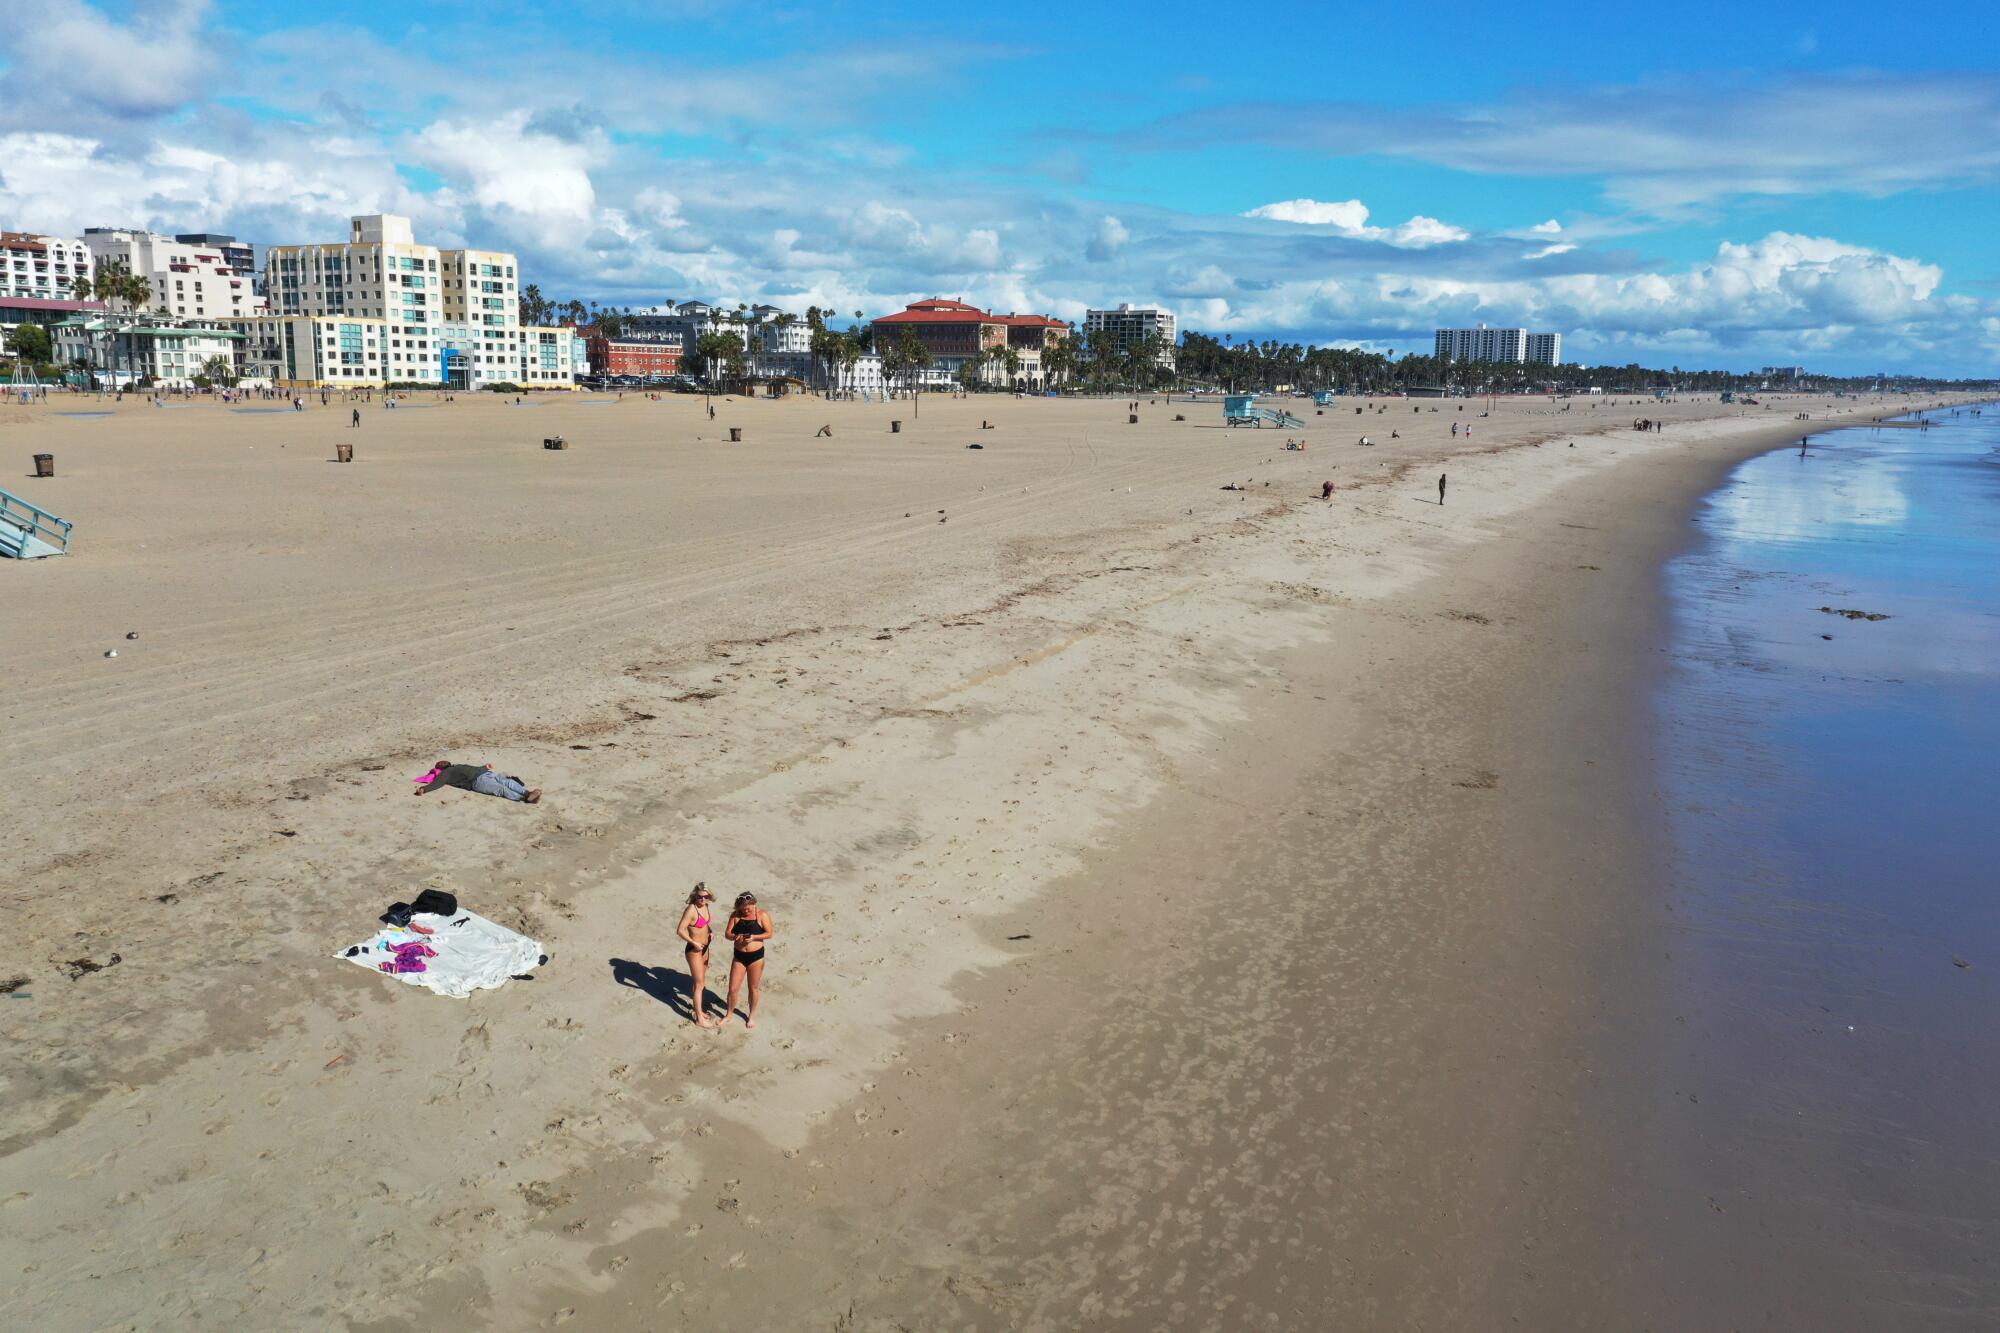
(668, 985)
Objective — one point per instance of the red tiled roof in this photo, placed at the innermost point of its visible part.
(966, 315)
(940, 311)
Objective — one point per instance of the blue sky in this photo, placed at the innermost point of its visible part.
(1725, 185)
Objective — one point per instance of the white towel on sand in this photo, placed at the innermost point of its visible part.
(472, 953)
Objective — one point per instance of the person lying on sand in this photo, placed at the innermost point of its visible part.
(475, 777)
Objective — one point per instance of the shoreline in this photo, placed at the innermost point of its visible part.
(1083, 637)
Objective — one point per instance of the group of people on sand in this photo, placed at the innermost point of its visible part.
(748, 928)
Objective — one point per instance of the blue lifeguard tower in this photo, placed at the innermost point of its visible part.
(1240, 409)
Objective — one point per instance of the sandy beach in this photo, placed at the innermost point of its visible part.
(1197, 907)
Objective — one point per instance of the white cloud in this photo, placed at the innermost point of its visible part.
(1349, 217)
(1549, 228)
(505, 167)
(1109, 238)
(1658, 146)
(66, 56)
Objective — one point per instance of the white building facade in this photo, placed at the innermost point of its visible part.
(452, 316)
(41, 268)
(1115, 330)
(131, 349)
(1517, 346)
(548, 358)
(313, 351)
(189, 281)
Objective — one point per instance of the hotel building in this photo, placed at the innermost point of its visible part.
(193, 277)
(452, 316)
(41, 268)
(954, 332)
(1511, 345)
(1119, 329)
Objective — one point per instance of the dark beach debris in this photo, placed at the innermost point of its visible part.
(1826, 636)
(288, 833)
(696, 696)
(168, 899)
(1852, 614)
(1481, 780)
(579, 747)
(1960, 962)
(1021, 937)
(1469, 617)
(640, 717)
(83, 967)
(12, 984)
(132, 634)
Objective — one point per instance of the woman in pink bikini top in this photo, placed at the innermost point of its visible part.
(695, 932)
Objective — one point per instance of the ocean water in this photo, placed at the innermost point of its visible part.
(1829, 1131)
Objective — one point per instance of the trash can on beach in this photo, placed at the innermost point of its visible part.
(896, 427)
(343, 453)
(736, 434)
(45, 465)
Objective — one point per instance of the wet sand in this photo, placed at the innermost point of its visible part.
(1317, 822)
(1828, 1158)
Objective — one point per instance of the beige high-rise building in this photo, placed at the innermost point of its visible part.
(1115, 330)
(202, 277)
(452, 316)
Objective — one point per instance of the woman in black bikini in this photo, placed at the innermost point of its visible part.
(749, 927)
(694, 932)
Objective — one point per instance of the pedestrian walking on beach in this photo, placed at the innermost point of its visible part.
(749, 927)
(1440, 490)
(1326, 490)
(695, 934)
(357, 419)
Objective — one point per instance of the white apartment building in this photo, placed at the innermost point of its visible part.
(864, 376)
(1482, 344)
(1513, 345)
(548, 358)
(452, 316)
(128, 348)
(41, 268)
(190, 281)
(315, 351)
(1128, 324)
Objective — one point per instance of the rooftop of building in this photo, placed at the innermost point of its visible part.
(938, 310)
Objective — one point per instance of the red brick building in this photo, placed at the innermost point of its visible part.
(953, 331)
(647, 357)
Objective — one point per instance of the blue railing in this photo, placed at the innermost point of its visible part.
(35, 521)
